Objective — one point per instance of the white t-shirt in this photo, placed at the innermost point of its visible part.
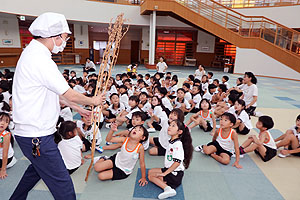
(124, 100)
(187, 96)
(66, 113)
(174, 88)
(162, 66)
(79, 89)
(249, 93)
(199, 74)
(227, 85)
(207, 95)
(204, 86)
(6, 96)
(166, 102)
(36, 88)
(146, 107)
(70, 151)
(158, 111)
(178, 104)
(196, 99)
(163, 136)
(244, 117)
(130, 112)
(88, 134)
(90, 65)
(174, 153)
(118, 110)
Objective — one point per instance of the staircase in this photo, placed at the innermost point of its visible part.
(252, 32)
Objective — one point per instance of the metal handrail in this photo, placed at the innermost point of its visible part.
(257, 3)
(246, 26)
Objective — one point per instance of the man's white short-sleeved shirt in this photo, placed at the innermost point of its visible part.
(36, 89)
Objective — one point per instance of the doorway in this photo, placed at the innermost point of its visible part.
(135, 51)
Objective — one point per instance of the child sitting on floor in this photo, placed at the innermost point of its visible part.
(69, 145)
(121, 165)
(177, 158)
(224, 142)
(264, 145)
(290, 140)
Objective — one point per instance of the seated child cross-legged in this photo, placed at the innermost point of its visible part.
(264, 145)
(204, 118)
(177, 158)
(121, 165)
(224, 142)
(290, 141)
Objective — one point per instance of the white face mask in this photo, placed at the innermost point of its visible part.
(60, 48)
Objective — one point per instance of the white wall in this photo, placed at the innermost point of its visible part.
(131, 35)
(82, 10)
(9, 30)
(261, 64)
(206, 42)
(286, 15)
(81, 34)
(145, 38)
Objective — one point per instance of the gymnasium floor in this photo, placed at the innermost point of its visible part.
(205, 179)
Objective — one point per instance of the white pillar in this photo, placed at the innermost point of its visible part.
(150, 39)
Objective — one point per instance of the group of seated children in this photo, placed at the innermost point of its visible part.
(158, 102)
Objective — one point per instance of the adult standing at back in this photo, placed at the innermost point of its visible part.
(199, 72)
(161, 67)
(38, 88)
(250, 93)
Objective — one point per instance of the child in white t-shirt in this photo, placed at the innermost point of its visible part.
(161, 66)
(70, 145)
(157, 114)
(199, 72)
(177, 158)
(243, 123)
(181, 102)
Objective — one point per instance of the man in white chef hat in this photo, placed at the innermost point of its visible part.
(38, 87)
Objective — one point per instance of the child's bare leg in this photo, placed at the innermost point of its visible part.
(157, 180)
(283, 135)
(106, 175)
(209, 149)
(289, 139)
(241, 126)
(223, 158)
(153, 151)
(151, 141)
(102, 165)
(251, 148)
(203, 123)
(247, 142)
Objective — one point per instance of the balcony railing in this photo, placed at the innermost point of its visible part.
(256, 3)
(246, 26)
(127, 2)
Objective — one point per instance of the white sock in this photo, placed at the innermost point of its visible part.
(167, 188)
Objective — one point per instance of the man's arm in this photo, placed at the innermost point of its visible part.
(75, 97)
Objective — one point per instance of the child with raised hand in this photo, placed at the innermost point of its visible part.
(243, 123)
(7, 158)
(290, 141)
(264, 145)
(177, 158)
(138, 119)
(69, 145)
(157, 114)
(205, 118)
(121, 165)
(161, 142)
(224, 142)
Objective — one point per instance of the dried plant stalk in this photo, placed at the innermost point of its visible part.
(116, 32)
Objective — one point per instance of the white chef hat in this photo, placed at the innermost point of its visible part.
(49, 24)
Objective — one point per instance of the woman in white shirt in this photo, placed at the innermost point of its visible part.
(250, 92)
(89, 66)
